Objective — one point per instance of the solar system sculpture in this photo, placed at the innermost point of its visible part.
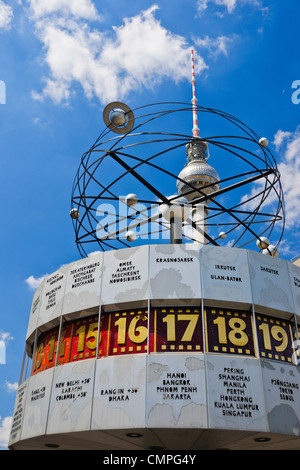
(179, 326)
(142, 159)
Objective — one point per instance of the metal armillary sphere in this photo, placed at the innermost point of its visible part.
(125, 190)
(131, 188)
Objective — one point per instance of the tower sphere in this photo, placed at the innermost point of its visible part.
(197, 173)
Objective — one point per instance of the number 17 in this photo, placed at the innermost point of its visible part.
(170, 320)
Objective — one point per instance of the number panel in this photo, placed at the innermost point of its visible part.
(275, 338)
(46, 351)
(128, 332)
(65, 344)
(39, 360)
(174, 329)
(229, 331)
(84, 339)
(177, 330)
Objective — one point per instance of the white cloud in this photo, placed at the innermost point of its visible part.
(11, 387)
(287, 248)
(2, 352)
(202, 5)
(215, 46)
(5, 426)
(287, 144)
(5, 336)
(280, 137)
(6, 15)
(229, 4)
(139, 53)
(77, 8)
(289, 168)
(34, 282)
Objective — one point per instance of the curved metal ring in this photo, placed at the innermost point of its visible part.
(129, 158)
(129, 115)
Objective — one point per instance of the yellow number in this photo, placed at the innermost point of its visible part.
(137, 334)
(92, 336)
(264, 327)
(121, 324)
(171, 325)
(236, 335)
(81, 338)
(62, 345)
(277, 333)
(192, 319)
(220, 322)
(39, 356)
(51, 348)
(170, 321)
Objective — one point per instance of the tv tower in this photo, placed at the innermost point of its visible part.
(197, 173)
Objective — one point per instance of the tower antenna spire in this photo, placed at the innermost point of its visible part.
(194, 99)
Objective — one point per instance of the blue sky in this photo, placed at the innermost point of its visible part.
(62, 61)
